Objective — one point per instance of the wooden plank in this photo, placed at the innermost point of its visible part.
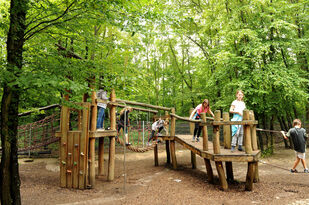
(76, 137)
(210, 174)
(250, 176)
(64, 127)
(69, 171)
(111, 157)
(105, 133)
(233, 158)
(216, 133)
(101, 157)
(221, 174)
(193, 160)
(188, 119)
(226, 131)
(229, 171)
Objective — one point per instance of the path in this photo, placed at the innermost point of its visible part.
(147, 184)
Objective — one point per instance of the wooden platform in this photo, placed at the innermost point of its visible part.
(225, 155)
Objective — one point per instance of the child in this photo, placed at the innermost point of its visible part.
(124, 119)
(196, 114)
(157, 126)
(237, 109)
(101, 94)
(299, 137)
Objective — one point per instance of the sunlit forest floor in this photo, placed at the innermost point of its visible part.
(147, 184)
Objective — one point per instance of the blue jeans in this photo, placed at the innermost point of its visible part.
(101, 115)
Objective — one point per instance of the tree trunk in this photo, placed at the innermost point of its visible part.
(282, 128)
(9, 174)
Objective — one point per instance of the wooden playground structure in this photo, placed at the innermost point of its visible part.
(77, 147)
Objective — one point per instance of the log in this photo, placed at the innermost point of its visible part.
(76, 137)
(111, 158)
(101, 157)
(210, 174)
(156, 158)
(204, 133)
(229, 171)
(193, 160)
(191, 123)
(143, 105)
(221, 174)
(250, 176)
(64, 127)
(172, 142)
(253, 132)
(247, 132)
(93, 127)
(226, 131)
(216, 133)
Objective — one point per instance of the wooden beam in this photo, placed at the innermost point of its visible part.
(244, 122)
(134, 108)
(216, 133)
(105, 133)
(247, 132)
(193, 160)
(143, 104)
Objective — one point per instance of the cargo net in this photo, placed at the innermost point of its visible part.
(38, 134)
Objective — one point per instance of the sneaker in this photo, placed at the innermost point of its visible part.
(306, 170)
(197, 139)
(233, 149)
(128, 144)
(294, 170)
(193, 139)
(240, 148)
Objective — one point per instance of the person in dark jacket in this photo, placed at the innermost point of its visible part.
(298, 136)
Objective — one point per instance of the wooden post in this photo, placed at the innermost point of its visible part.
(167, 144)
(229, 171)
(156, 158)
(193, 160)
(64, 127)
(172, 142)
(253, 132)
(216, 133)
(168, 153)
(93, 127)
(226, 131)
(256, 173)
(250, 176)
(167, 128)
(210, 174)
(191, 123)
(216, 145)
(204, 133)
(111, 159)
(247, 132)
(83, 156)
(101, 156)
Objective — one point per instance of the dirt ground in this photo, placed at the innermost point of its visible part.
(147, 184)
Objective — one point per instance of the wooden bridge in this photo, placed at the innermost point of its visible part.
(77, 147)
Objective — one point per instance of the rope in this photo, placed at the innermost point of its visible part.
(137, 149)
(264, 130)
(263, 162)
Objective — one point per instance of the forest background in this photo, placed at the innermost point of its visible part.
(162, 52)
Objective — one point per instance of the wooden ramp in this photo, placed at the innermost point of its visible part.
(225, 155)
